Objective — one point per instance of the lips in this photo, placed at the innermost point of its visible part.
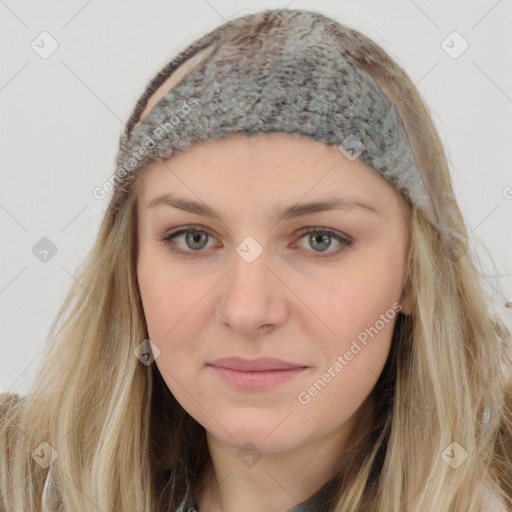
(255, 365)
(256, 375)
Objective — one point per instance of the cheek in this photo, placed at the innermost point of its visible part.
(338, 391)
(351, 361)
(354, 302)
(156, 299)
(166, 297)
(361, 308)
(358, 312)
(174, 315)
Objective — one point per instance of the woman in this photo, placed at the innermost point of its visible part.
(280, 311)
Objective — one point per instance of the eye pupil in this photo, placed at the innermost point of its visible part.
(323, 238)
(195, 237)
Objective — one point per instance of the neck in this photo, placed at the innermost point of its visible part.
(278, 481)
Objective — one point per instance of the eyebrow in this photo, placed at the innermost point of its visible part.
(278, 214)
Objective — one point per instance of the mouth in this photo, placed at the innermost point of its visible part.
(255, 365)
(258, 374)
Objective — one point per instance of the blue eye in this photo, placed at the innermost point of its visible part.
(321, 239)
(197, 239)
(194, 239)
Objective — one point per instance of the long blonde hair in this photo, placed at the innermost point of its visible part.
(123, 442)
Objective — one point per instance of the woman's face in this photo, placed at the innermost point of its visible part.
(253, 281)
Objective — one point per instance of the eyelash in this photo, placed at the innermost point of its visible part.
(167, 239)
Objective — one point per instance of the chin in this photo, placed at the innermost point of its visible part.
(263, 444)
(268, 432)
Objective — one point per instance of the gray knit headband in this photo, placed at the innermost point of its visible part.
(295, 80)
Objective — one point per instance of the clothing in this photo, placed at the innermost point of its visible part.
(298, 77)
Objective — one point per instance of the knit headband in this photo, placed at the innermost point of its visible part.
(297, 80)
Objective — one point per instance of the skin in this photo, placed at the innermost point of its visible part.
(286, 304)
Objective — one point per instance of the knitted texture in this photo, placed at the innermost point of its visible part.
(298, 81)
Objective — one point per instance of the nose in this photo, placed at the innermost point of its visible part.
(253, 298)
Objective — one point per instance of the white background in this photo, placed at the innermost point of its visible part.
(61, 118)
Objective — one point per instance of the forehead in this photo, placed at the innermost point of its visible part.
(262, 169)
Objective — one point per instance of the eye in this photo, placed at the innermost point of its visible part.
(196, 239)
(321, 240)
